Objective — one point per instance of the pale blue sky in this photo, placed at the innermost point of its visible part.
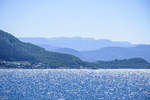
(118, 20)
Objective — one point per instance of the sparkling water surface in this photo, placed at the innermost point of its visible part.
(74, 84)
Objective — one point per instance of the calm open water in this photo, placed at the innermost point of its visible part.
(74, 84)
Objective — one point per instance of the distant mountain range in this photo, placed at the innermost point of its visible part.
(76, 43)
(94, 50)
(17, 54)
(112, 53)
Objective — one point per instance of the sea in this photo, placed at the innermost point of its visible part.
(74, 84)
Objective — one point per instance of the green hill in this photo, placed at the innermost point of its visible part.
(17, 54)
(12, 49)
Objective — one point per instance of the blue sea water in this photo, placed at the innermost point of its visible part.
(74, 84)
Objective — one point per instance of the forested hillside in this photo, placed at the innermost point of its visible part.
(12, 49)
(17, 54)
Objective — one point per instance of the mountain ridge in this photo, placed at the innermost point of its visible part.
(13, 49)
(86, 44)
(105, 53)
(17, 54)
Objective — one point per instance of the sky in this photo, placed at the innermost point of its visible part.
(117, 20)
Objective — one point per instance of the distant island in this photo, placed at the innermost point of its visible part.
(17, 54)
